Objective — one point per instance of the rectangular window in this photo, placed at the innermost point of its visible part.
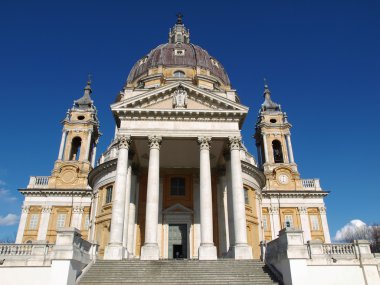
(265, 223)
(177, 186)
(33, 223)
(61, 221)
(246, 198)
(87, 222)
(109, 195)
(288, 221)
(314, 222)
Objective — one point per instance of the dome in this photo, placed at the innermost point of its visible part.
(178, 52)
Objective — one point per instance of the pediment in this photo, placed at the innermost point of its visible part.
(164, 98)
(177, 208)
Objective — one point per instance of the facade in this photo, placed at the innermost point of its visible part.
(176, 181)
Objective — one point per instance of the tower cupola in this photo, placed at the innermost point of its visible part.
(179, 33)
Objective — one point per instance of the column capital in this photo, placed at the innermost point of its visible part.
(302, 210)
(234, 142)
(273, 210)
(204, 143)
(154, 141)
(25, 209)
(124, 141)
(322, 210)
(47, 209)
(78, 209)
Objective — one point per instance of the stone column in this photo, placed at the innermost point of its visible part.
(197, 218)
(231, 228)
(207, 250)
(94, 210)
(305, 225)
(115, 250)
(136, 216)
(44, 223)
(127, 201)
(222, 215)
(93, 156)
(275, 221)
(132, 217)
(62, 146)
(88, 146)
(265, 147)
(76, 221)
(150, 250)
(241, 249)
(290, 148)
(22, 223)
(325, 226)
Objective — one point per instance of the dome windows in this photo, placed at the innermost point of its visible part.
(179, 52)
(214, 62)
(143, 60)
(179, 74)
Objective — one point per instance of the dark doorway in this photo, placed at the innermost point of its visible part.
(177, 243)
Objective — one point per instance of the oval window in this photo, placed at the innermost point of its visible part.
(273, 121)
(80, 118)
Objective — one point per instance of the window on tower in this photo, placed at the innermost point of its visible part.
(75, 148)
(277, 152)
(109, 194)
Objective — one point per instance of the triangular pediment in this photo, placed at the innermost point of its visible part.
(162, 98)
(177, 208)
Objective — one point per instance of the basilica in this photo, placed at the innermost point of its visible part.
(176, 182)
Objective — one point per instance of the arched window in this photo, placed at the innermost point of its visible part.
(179, 74)
(75, 148)
(277, 152)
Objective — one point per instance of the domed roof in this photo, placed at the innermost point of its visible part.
(179, 52)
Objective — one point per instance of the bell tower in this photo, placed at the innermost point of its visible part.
(77, 151)
(274, 147)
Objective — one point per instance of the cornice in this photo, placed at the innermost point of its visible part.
(254, 172)
(293, 193)
(56, 192)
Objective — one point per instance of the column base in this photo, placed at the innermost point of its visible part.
(242, 251)
(150, 252)
(114, 252)
(207, 252)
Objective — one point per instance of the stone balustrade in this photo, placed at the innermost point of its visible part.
(311, 184)
(15, 249)
(339, 249)
(38, 182)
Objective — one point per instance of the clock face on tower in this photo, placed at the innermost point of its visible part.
(283, 179)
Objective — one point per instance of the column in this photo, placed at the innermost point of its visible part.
(127, 201)
(76, 221)
(22, 223)
(290, 148)
(265, 147)
(63, 139)
(94, 210)
(241, 249)
(222, 215)
(231, 228)
(305, 225)
(197, 218)
(44, 223)
(87, 150)
(325, 226)
(115, 250)
(132, 217)
(160, 227)
(207, 250)
(275, 221)
(150, 250)
(93, 156)
(136, 216)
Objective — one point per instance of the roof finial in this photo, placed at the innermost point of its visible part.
(266, 89)
(265, 83)
(179, 19)
(89, 79)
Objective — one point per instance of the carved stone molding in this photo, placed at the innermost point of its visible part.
(47, 209)
(235, 142)
(78, 209)
(322, 210)
(25, 209)
(180, 98)
(204, 143)
(273, 210)
(124, 141)
(302, 210)
(155, 141)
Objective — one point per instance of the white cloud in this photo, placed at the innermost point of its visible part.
(6, 194)
(8, 220)
(348, 228)
(2, 182)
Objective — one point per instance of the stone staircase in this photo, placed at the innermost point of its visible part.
(222, 271)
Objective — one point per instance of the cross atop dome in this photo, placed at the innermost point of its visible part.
(179, 33)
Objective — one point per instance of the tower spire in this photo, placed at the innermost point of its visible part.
(268, 104)
(85, 101)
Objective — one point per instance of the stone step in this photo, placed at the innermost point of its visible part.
(221, 272)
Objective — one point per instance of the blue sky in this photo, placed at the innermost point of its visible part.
(321, 59)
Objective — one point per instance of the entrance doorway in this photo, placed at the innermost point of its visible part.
(177, 241)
